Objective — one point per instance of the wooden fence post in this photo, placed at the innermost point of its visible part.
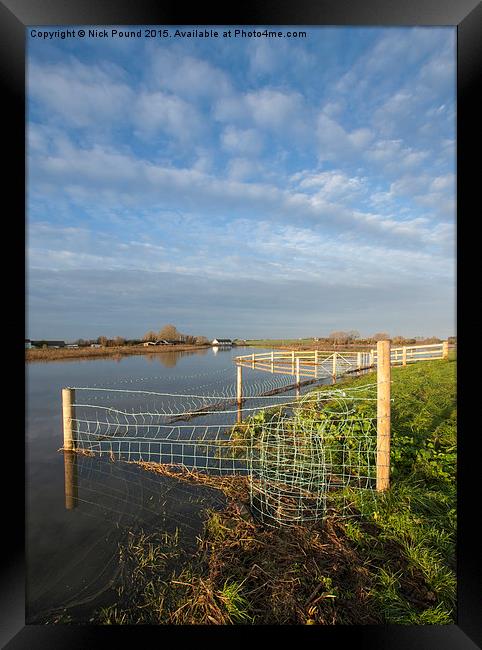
(68, 399)
(404, 355)
(333, 374)
(445, 350)
(272, 361)
(297, 371)
(383, 415)
(239, 385)
(358, 360)
(293, 362)
(70, 478)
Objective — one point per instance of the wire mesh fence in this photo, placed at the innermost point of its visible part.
(300, 454)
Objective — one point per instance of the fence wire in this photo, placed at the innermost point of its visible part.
(300, 454)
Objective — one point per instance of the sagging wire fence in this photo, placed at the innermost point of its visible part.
(297, 452)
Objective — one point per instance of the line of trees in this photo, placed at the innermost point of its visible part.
(352, 336)
(171, 333)
(168, 332)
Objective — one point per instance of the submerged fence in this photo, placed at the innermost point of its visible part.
(300, 454)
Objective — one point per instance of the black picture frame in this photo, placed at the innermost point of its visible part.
(466, 15)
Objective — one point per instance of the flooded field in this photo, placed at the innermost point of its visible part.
(80, 508)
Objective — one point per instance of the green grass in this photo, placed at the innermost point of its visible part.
(236, 604)
(417, 515)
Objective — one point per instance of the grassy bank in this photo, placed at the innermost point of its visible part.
(56, 354)
(393, 563)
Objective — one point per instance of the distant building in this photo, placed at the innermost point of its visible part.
(222, 342)
(28, 344)
(49, 344)
(72, 345)
(161, 342)
(95, 345)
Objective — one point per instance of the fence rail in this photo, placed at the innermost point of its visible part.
(318, 364)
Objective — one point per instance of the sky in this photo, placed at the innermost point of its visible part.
(242, 187)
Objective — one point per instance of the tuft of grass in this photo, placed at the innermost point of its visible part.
(236, 604)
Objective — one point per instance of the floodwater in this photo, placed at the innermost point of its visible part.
(79, 508)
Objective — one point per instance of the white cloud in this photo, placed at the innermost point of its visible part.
(269, 110)
(334, 184)
(172, 115)
(335, 143)
(395, 156)
(82, 95)
(273, 109)
(242, 141)
(443, 183)
(186, 76)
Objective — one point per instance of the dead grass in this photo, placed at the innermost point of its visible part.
(78, 450)
(235, 487)
(327, 573)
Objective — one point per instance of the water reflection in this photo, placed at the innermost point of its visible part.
(170, 358)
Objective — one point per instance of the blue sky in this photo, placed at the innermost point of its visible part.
(242, 187)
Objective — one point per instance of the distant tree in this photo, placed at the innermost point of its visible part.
(380, 336)
(169, 332)
(353, 335)
(102, 340)
(339, 337)
(150, 336)
(201, 340)
(119, 340)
